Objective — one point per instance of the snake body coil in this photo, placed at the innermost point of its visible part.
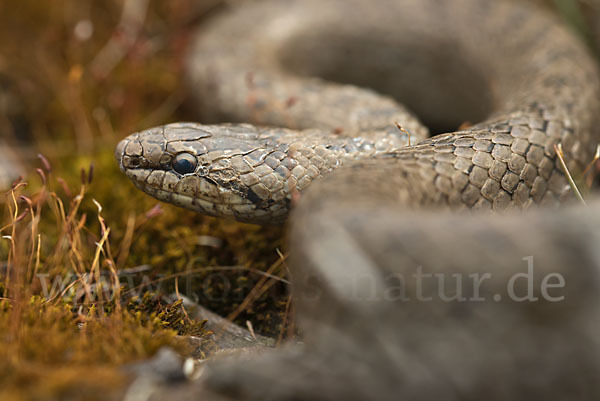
(523, 75)
(515, 71)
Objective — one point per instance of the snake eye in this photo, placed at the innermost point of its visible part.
(185, 163)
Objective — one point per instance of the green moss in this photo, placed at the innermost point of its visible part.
(54, 353)
(149, 309)
(67, 341)
(61, 327)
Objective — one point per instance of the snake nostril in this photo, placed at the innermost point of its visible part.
(132, 161)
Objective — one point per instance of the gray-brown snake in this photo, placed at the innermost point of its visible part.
(512, 69)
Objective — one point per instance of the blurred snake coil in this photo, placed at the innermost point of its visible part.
(313, 91)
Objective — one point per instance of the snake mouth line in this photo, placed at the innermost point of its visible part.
(195, 203)
(242, 209)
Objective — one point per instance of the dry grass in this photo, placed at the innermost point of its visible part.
(83, 250)
(63, 315)
(80, 76)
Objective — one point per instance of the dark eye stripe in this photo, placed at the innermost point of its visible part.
(185, 163)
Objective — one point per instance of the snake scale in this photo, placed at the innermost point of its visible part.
(304, 73)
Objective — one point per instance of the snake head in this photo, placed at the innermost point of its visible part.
(214, 170)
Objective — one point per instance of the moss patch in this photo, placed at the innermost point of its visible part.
(83, 252)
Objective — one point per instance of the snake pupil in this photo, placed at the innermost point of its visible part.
(185, 163)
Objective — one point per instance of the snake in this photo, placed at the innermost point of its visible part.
(388, 129)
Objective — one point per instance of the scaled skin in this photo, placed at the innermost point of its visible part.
(509, 67)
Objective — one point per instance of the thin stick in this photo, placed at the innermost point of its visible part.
(559, 153)
(403, 131)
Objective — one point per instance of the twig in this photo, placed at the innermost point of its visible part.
(258, 290)
(559, 153)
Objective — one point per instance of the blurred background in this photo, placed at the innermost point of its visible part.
(76, 76)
